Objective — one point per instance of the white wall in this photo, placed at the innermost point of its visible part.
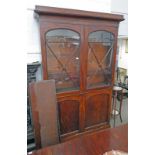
(92, 5)
(33, 38)
(121, 7)
(33, 43)
(122, 56)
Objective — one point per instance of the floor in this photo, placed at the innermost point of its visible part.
(124, 114)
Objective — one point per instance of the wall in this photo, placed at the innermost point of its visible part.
(122, 55)
(121, 7)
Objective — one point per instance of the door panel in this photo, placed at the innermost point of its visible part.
(68, 115)
(96, 109)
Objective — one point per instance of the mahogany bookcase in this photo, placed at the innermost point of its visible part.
(79, 52)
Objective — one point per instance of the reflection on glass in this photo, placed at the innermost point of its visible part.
(63, 63)
(99, 71)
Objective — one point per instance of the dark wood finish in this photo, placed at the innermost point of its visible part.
(84, 108)
(96, 143)
(44, 10)
(96, 109)
(69, 118)
(44, 112)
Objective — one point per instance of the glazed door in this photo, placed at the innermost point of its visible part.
(63, 58)
(99, 75)
(100, 58)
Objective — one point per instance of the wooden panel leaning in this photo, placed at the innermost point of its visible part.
(44, 113)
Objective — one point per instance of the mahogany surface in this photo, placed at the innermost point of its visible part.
(86, 106)
(96, 143)
(76, 13)
(44, 112)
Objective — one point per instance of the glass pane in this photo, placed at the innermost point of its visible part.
(99, 71)
(63, 63)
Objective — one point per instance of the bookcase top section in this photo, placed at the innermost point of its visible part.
(53, 11)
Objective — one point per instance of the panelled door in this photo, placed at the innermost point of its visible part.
(63, 61)
(100, 42)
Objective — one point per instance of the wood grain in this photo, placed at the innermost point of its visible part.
(96, 109)
(44, 112)
(69, 115)
(76, 13)
(96, 143)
